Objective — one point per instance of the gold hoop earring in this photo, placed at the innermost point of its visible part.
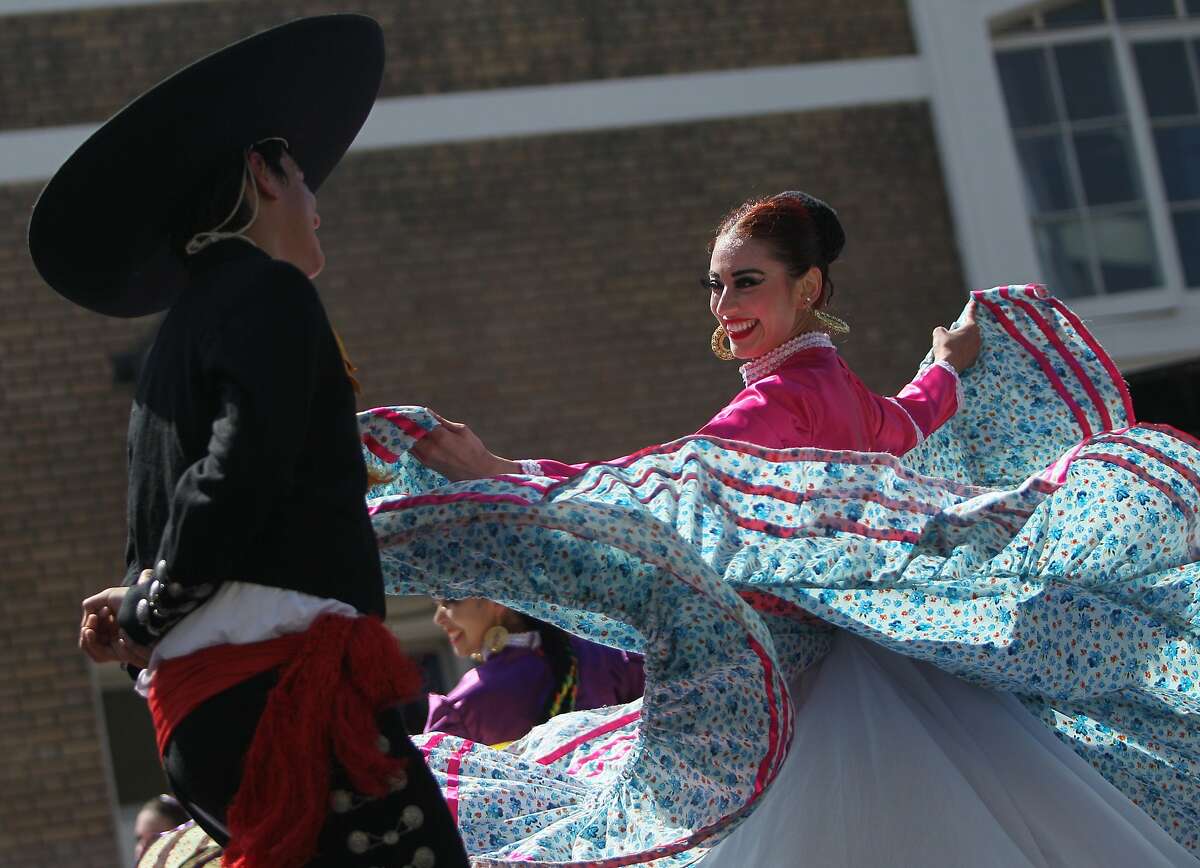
(836, 326)
(493, 640)
(719, 349)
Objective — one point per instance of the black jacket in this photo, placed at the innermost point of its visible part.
(244, 455)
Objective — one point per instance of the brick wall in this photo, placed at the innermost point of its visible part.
(61, 517)
(544, 289)
(80, 66)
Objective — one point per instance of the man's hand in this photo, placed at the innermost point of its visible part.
(99, 636)
(453, 450)
(959, 346)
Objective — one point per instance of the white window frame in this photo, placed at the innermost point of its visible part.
(1123, 36)
(985, 180)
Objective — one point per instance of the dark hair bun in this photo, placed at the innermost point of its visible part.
(829, 227)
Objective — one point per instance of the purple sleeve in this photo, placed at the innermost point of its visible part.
(495, 702)
(633, 684)
(608, 676)
(446, 716)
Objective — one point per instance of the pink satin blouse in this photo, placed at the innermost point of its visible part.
(813, 399)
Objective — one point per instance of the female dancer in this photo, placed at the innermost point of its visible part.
(528, 672)
(1069, 588)
(769, 286)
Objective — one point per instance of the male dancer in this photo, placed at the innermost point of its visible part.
(253, 597)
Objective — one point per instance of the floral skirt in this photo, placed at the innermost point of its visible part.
(1040, 544)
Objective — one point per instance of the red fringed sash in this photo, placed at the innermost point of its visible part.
(334, 679)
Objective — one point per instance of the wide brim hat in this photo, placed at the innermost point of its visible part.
(100, 231)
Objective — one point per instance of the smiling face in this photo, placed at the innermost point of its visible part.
(755, 299)
(465, 621)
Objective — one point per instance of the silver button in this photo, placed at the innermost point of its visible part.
(423, 858)
(358, 842)
(412, 817)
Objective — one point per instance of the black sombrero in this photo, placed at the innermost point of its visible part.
(99, 234)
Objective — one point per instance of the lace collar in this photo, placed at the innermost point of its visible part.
(770, 361)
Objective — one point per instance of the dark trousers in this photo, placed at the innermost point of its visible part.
(203, 762)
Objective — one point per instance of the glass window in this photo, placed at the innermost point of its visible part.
(1047, 184)
(1131, 10)
(1187, 231)
(1094, 136)
(1088, 74)
(1026, 83)
(1066, 255)
(1106, 166)
(1066, 14)
(1179, 158)
(1075, 14)
(1083, 179)
(1017, 25)
(1125, 245)
(1166, 78)
(1168, 74)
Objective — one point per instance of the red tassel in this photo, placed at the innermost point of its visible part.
(336, 679)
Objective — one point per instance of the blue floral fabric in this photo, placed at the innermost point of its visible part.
(1039, 543)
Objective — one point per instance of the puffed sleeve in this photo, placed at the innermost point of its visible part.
(446, 715)
(495, 702)
(261, 365)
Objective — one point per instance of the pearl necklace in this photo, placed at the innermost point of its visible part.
(755, 369)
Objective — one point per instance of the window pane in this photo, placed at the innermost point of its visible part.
(1064, 254)
(1019, 25)
(1043, 160)
(1089, 80)
(1132, 9)
(1106, 166)
(1179, 158)
(1085, 12)
(1125, 245)
(1193, 7)
(1166, 79)
(1187, 233)
(1026, 86)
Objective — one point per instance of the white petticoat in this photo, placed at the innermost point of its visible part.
(896, 763)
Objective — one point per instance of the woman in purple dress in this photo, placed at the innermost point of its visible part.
(528, 672)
